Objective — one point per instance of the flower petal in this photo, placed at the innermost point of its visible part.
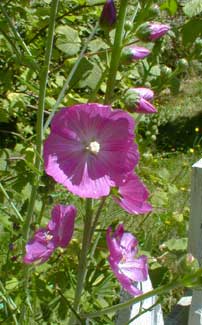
(40, 248)
(133, 196)
(136, 269)
(61, 224)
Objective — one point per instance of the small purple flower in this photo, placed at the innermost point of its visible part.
(90, 149)
(133, 53)
(138, 100)
(58, 233)
(126, 267)
(108, 15)
(132, 195)
(151, 31)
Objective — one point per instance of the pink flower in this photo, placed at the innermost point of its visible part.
(126, 267)
(108, 15)
(151, 31)
(133, 195)
(138, 100)
(133, 53)
(90, 149)
(58, 233)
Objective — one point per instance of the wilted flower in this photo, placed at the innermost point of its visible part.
(150, 31)
(108, 15)
(126, 266)
(132, 195)
(137, 100)
(133, 53)
(58, 233)
(90, 149)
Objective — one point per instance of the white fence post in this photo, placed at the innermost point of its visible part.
(153, 315)
(195, 238)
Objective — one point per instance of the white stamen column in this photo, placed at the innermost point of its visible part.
(195, 238)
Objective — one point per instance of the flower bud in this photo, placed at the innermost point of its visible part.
(151, 31)
(182, 65)
(108, 15)
(137, 100)
(165, 71)
(132, 53)
(128, 25)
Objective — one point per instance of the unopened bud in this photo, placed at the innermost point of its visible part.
(133, 53)
(137, 100)
(165, 71)
(182, 65)
(108, 15)
(151, 31)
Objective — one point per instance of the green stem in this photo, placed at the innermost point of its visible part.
(18, 215)
(95, 221)
(40, 113)
(15, 32)
(69, 78)
(8, 300)
(82, 267)
(116, 51)
(13, 45)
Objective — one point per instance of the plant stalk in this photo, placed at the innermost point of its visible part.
(69, 78)
(40, 114)
(116, 52)
(82, 267)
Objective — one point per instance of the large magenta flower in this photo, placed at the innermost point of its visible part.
(126, 266)
(138, 100)
(90, 149)
(132, 195)
(58, 233)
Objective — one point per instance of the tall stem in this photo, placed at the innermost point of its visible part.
(82, 267)
(40, 114)
(70, 76)
(116, 51)
(15, 32)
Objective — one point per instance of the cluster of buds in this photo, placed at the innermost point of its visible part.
(136, 99)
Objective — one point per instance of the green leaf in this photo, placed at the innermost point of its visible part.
(170, 5)
(191, 30)
(68, 40)
(93, 78)
(176, 244)
(193, 8)
(82, 72)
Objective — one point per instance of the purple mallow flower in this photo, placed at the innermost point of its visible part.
(132, 195)
(108, 15)
(58, 233)
(126, 266)
(138, 100)
(90, 149)
(151, 31)
(133, 53)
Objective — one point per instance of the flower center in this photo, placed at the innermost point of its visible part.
(93, 147)
(48, 236)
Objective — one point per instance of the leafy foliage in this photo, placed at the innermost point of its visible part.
(164, 165)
